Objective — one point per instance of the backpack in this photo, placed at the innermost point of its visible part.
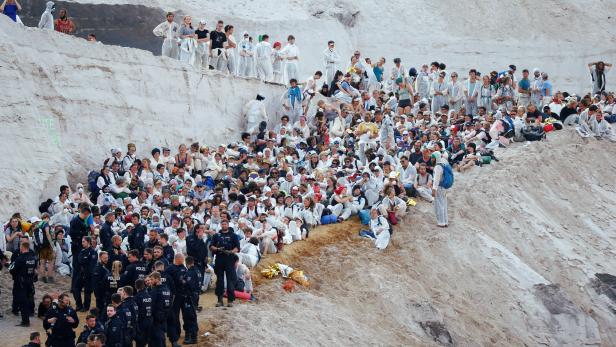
(45, 205)
(447, 179)
(533, 133)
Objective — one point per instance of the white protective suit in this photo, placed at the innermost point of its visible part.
(291, 67)
(247, 61)
(263, 59)
(255, 113)
(231, 55)
(46, 21)
(202, 55)
(170, 33)
(331, 60)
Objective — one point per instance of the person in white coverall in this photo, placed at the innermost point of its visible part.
(202, 52)
(246, 56)
(439, 193)
(255, 113)
(169, 31)
(263, 56)
(291, 56)
(230, 53)
(46, 21)
(331, 60)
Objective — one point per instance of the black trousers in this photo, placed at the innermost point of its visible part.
(189, 315)
(157, 335)
(85, 284)
(23, 296)
(224, 267)
(144, 329)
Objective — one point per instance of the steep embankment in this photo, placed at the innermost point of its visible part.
(553, 35)
(516, 267)
(68, 102)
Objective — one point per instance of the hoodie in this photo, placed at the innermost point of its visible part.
(46, 21)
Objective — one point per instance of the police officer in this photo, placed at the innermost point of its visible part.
(116, 252)
(161, 304)
(107, 232)
(114, 328)
(196, 248)
(162, 268)
(148, 260)
(176, 274)
(78, 229)
(93, 326)
(159, 255)
(100, 282)
(168, 251)
(129, 312)
(86, 263)
(136, 238)
(192, 288)
(61, 319)
(144, 303)
(134, 271)
(224, 244)
(23, 270)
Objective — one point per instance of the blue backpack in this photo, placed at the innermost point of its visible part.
(364, 216)
(447, 179)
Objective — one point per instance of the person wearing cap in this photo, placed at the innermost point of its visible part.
(535, 87)
(546, 90)
(202, 53)
(263, 59)
(169, 31)
(246, 66)
(439, 193)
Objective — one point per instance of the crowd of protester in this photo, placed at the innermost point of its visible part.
(150, 231)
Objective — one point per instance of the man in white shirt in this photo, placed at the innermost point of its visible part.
(331, 60)
(169, 31)
(263, 55)
(291, 56)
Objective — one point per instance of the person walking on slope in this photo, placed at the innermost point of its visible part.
(169, 31)
(331, 60)
(443, 179)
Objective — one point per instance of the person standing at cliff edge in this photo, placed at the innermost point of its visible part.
(169, 31)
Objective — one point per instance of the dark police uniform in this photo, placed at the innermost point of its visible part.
(62, 332)
(161, 305)
(86, 263)
(129, 313)
(85, 334)
(101, 285)
(23, 270)
(134, 271)
(144, 324)
(114, 332)
(176, 275)
(191, 289)
(224, 264)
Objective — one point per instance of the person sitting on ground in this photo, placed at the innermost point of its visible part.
(423, 185)
(379, 229)
(470, 159)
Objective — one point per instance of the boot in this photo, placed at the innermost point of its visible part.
(220, 303)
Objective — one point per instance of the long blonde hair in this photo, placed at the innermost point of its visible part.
(116, 268)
